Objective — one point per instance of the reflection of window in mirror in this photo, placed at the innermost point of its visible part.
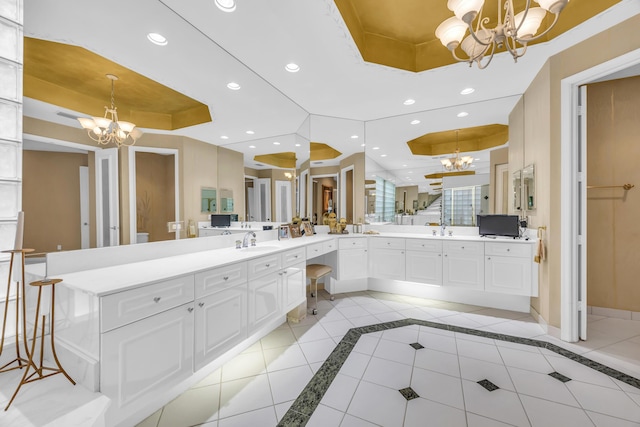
(226, 200)
(517, 190)
(529, 187)
(208, 200)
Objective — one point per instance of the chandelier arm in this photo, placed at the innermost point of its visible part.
(482, 67)
(473, 33)
(513, 50)
(544, 33)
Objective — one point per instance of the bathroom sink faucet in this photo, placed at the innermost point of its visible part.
(442, 227)
(245, 241)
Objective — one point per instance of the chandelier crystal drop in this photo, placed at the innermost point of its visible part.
(108, 129)
(457, 163)
(513, 31)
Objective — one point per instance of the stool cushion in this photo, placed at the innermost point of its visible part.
(316, 271)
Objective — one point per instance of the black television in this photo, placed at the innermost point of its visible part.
(220, 220)
(499, 225)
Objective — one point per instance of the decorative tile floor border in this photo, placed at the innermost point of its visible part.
(301, 410)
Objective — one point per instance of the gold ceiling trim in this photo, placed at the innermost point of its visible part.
(280, 160)
(404, 37)
(469, 139)
(74, 78)
(322, 151)
(436, 183)
(440, 175)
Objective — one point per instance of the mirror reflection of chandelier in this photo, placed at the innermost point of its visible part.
(457, 163)
(512, 31)
(109, 129)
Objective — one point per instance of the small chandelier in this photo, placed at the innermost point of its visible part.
(512, 32)
(108, 129)
(457, 163)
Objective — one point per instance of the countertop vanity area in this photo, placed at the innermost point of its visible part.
(142, 323)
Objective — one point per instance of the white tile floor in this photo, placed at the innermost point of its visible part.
(258, 386)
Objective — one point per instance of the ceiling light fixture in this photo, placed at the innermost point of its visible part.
(457, 163)
(158, 39)
(226, 5)
(463, 114)
(250, 132)
(467, 91)
(233, 86)
(409, 102)
(252, 146)
(354, 137)
(224, 137)
(292, 68)
(276, 143)
(512, 32)
(108, 129)
(415, 122)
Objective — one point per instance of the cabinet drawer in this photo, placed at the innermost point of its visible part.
(126, 307)
(352, 243)
(329, 246)
(219, 279)
(314, 250)
(387, 243)
(293, 256)
(426, 245)
(508, 249)
(264, 265)
(463, 247)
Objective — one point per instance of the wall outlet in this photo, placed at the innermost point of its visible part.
(59, 247)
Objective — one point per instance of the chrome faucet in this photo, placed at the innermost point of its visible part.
(442, 228)
(245, 241)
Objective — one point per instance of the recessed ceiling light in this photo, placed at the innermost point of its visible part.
(354, 137)
(415, 122)
(226, 5)
(463, 114)
(473, 166)
(233, 86)
(383, 155)
(476, 159)
(297, 145)
(158, 39)
(376, 148)
(224, 137)
(250, 132)
(404, 166)
(252, 146)
(276, 143)
(361, 145)
(467, 91)
(409, 102)
(292, 68)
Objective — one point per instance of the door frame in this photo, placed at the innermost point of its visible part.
(133, 206)
(111, 155)
(572, 201)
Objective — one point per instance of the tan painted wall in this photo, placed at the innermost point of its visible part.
(357, 160)
(412, 194)
(155, 194)
(613, 230)
(51, 199)
(542, 145)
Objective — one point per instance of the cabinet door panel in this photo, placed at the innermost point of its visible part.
(148, 355)
(264, 300)
(352, 264)
(424, 267)
(294, 281)
(387, 264)
(508, 275)
(465, 271)
(221, 323)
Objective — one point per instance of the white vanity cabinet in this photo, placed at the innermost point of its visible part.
(220, 311)
(387, 258)
(352, 258)
(265, 290)
(146, 341)
(424, 261)
(463, 264)
(293, 275)
(508, 268)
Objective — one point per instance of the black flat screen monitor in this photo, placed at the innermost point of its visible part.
(220, 220)
(498, 225)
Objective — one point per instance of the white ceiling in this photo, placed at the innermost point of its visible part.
(345, 96)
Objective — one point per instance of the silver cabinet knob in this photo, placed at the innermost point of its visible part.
(201, 304)
(190, 309)
(157, 299)
(267, 265)
(226, 277)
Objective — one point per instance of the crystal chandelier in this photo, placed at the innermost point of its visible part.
(108, 129)
(512, 32)
(457, 163)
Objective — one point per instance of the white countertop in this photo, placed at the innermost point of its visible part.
(108, 280)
